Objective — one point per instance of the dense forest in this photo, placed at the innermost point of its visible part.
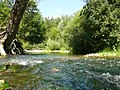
(94, 28)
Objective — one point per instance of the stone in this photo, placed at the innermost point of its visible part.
(2, 81)
(9, 88)
(55, 69)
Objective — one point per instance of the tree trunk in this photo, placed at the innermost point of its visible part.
(7, 38)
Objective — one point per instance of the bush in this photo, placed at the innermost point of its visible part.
(29, 46)
(52, 45)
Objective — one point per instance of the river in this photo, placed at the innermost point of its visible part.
(63, 72)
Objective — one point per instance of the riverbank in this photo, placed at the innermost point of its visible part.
(99, 54)
(104, 54)
(47, 51)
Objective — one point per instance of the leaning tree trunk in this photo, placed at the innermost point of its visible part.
(7, 37)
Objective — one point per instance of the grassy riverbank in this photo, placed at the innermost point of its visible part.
(112, 54)
(46, 51)
(98, 54)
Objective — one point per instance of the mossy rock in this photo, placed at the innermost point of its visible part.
(10, 68)
(4, 84)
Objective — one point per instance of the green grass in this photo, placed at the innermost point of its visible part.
(109, 53)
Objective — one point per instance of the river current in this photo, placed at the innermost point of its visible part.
(63, 72)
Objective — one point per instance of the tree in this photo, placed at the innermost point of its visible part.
(78, 40)
(32, 27)
(52, 33)
(4, 12)
(63, 40)
(55, 33)
(102, 19)
(97, 27)
(7, 37)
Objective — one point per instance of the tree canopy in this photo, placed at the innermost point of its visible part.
(93, 28)
(32, 26)
(97, 27)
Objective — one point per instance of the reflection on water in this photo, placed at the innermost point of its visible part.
(60, 72)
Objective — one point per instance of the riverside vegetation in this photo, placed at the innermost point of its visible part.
(92, 29)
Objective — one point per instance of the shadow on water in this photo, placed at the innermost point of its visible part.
(62, 72)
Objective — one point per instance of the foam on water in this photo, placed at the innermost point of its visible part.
(68, 73)
(115, 79)
(27, 62)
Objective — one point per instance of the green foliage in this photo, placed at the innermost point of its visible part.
(96, 27)
(56, 33)
(4, 85)
(32, 25)
(4, 12)
(28, 46)
(52, 45)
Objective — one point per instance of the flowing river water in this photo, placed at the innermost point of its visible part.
(63, 72)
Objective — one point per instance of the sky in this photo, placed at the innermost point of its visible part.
(57, 8)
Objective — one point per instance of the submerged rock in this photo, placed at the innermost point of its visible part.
(7, 66)
(55, 70)
(10, 68)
